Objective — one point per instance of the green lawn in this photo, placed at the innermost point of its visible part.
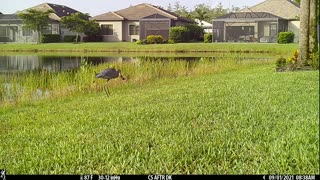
(246, 121)
(133, 47)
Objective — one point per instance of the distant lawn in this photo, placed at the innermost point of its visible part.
(133, 47)
(246, 121)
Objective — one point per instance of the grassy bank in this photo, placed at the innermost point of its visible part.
(19, 87)
(133, 47)
(250, 120)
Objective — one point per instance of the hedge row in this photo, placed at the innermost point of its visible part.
(187, 33)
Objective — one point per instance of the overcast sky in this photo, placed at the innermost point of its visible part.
(96, 7)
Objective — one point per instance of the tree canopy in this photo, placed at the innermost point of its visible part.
(35, 20)
(202, 11)
(80, 23)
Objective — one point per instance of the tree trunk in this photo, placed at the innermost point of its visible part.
(77, 37)
(313, 27)
(39, 37)
(304, 32)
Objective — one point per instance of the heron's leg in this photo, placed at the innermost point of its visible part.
(106, 90)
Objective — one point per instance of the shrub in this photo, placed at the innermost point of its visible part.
(70, 38)
(292, 61)
(154, 39)
(285, 37)
(170, 41)
(281, 62)
(178, 34)
(141, 42)
(195, 32)
(314, 60)
(92, 38)
(207, 38)
(50, 38)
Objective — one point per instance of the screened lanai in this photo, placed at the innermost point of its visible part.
(155, 24)
(248, 27)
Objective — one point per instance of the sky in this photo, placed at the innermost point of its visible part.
(96, 7)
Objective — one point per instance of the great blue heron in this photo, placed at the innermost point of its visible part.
(109, 73)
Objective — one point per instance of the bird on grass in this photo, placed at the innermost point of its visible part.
(109, 73)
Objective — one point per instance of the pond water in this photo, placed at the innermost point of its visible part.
(56, 63)
(12, 63)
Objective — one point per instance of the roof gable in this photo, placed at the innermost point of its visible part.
(138, 12)
(155, 16)
(142, 10)
(110, 16)
(60, 10)
(248, 15)
(283, 8)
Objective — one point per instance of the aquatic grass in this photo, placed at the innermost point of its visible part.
(41, 84)
(248, 119)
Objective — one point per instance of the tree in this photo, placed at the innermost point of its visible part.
(313, 27)
(201, 12)
(308, 41)
(76, 22)
(219, 10)
(179, 9)
(304, 32)
(92, 28)
(35, 20)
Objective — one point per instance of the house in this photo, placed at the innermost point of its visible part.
(12, 30)
(207, 27)
(137, 22)
(259, 23)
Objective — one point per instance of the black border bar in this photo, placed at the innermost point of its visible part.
(164, 177)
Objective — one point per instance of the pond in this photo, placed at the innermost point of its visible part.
(57, 62)
(32, 76)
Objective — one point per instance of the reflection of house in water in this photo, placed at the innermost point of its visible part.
(101, 60)
(32, 62)
(52, 63)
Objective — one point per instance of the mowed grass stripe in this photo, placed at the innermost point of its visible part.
(246, 121)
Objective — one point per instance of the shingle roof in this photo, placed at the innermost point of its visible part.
(248, 15)
(9, 19)
(111, 16)
(61, 10)
(138, 12)
(283, 8)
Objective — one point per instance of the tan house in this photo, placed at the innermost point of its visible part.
(12, 30)
(259, 23)
(137, 22)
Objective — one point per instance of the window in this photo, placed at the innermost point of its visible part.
(3, 31)
(266, 30)
(273, 30)
(26, 32)
(48, 30)
(107, 29)
(134, 30)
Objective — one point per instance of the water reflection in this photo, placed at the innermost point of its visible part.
(21, 63)
(52, 63)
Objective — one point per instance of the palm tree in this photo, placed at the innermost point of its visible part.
(304, 32)
(313, 27)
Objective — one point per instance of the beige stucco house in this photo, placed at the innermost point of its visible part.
(259, 23)
(137, 22)
(12, 30)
